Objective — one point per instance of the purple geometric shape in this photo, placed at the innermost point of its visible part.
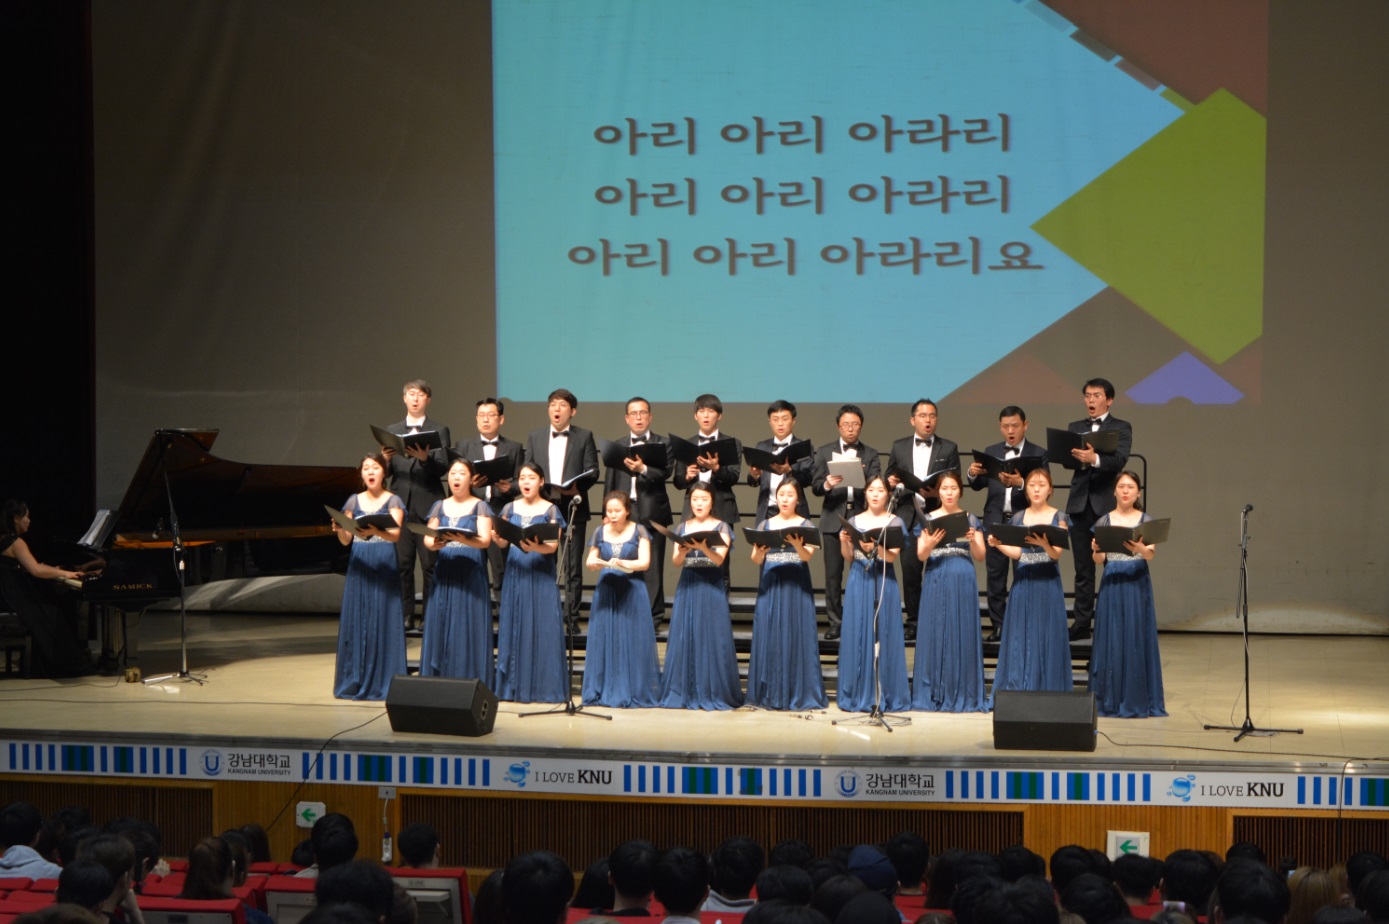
(1185, 377)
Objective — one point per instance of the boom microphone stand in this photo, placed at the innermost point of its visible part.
(183, 675)
(876, 716)
(1242, 604)
(571, 631)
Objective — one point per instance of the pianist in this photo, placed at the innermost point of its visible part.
(49, 614)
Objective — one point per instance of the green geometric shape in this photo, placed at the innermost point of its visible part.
(1178, 226)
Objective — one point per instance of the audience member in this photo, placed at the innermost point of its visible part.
(779, 912)
(1017, 861)
(1310, 890)
(909, 856)
(629, 870)
(1016, 903)
(60, 913)
(680, 881)
(967, 895)
(1248, 888)
(419, 846)
(785, 883)
(1137, 877)
(871, 907)
(595, 890)
(258, 842)
(357, 882)
(488, 903)
(85, 883)
(790, 852)
(1067, 863)
(19, 833)
(536, 887)
(1373, 896)
(1188, 878)
(1095, 899)
(334, 842)
(733, 869)
(834, 893)
(117, 854)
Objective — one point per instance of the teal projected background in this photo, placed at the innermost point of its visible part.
(910, 190)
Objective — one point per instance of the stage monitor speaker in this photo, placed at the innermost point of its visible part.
(441, 706)
(1037, 721)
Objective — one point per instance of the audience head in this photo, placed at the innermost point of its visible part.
(211, 870)
(117, 854)
(909, 856)
(1136, 876)
(869, 908)
(488, 903)
(872, 866)
(1249, 888)
(680, 880)
(357, 882)
(536, 887)
(779, 912)
(629, 868)
(1188, 876)
(1332, 914)
(334, 840)
(257, 842)
(792, 851)
(1239, 850)
(1017, 861)
(825, 868)
(1309, 891)
(340, 913)
(240, 852)
(302, 855)
(967, 895)
(1067, 863)
(19, 821)
(1373, 896)
(1361, 865)
(67, 850)
(1174, 916)
(595, 888)
(1016, 903)
(419, 845)
(86, 883)
(787, 883)
(1095, 899)
(835, 892)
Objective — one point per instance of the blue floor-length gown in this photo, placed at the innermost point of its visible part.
(621, 669)
(458, 620)
(701, 669)
(371, 634)
(871, 583)
(530, 630)
(948, 675)
(1125, 666)
(784, 669)
(1035, 653)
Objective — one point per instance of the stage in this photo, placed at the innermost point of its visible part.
(266, 713)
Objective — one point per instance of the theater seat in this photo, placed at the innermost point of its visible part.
(160, 910)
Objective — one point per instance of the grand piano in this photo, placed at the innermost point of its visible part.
(275, 510)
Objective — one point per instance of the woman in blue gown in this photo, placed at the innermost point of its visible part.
(1035, 653)
(784, 669)
(948, 675)
(530, 626)
(870, 592)
(1126, 668)
(701, 670)
(621, 669)
(371, 635)
(458, 621)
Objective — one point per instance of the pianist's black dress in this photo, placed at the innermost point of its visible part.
(51, 619)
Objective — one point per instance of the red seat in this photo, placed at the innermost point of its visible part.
(33, 898)
(452, 878)
(158, 910)
(15, 883)
(176, 865)
(44, 885)
(720, 917)
(288, 898)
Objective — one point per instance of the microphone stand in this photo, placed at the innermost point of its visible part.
(1242, 605)
(876, 716)
(182, 675)
(571, 632)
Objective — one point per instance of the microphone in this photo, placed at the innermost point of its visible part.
(899, 490)
(1248, 507)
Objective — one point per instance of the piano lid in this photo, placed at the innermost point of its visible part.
(219, 500)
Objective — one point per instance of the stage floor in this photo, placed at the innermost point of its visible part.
(269, 682)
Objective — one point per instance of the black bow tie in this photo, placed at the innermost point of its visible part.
(706, 439)
(1094, 423)
(490, 442)
(848, 446)
(1011, 451)
(926, 442)
(640, 439)
(555, 436)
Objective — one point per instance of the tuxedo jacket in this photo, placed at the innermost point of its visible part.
(653, 503)
(944, 454)
(510, 449)
(722, 481)
(581, 455)
(836, 500)
(420, 484)
(1092, 487)
(993, 501)
(802, 470)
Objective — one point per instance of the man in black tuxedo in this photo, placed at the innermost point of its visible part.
(646, 486)
(923, 453)
(417, 477)
(708, 411)
(840, 501)
(1005, 497)
(489, 444)
(1092, 493)
(564, 452)
(781, 417)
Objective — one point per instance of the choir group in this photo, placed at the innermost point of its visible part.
(514, 527)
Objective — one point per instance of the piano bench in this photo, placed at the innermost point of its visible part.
(16, 643)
